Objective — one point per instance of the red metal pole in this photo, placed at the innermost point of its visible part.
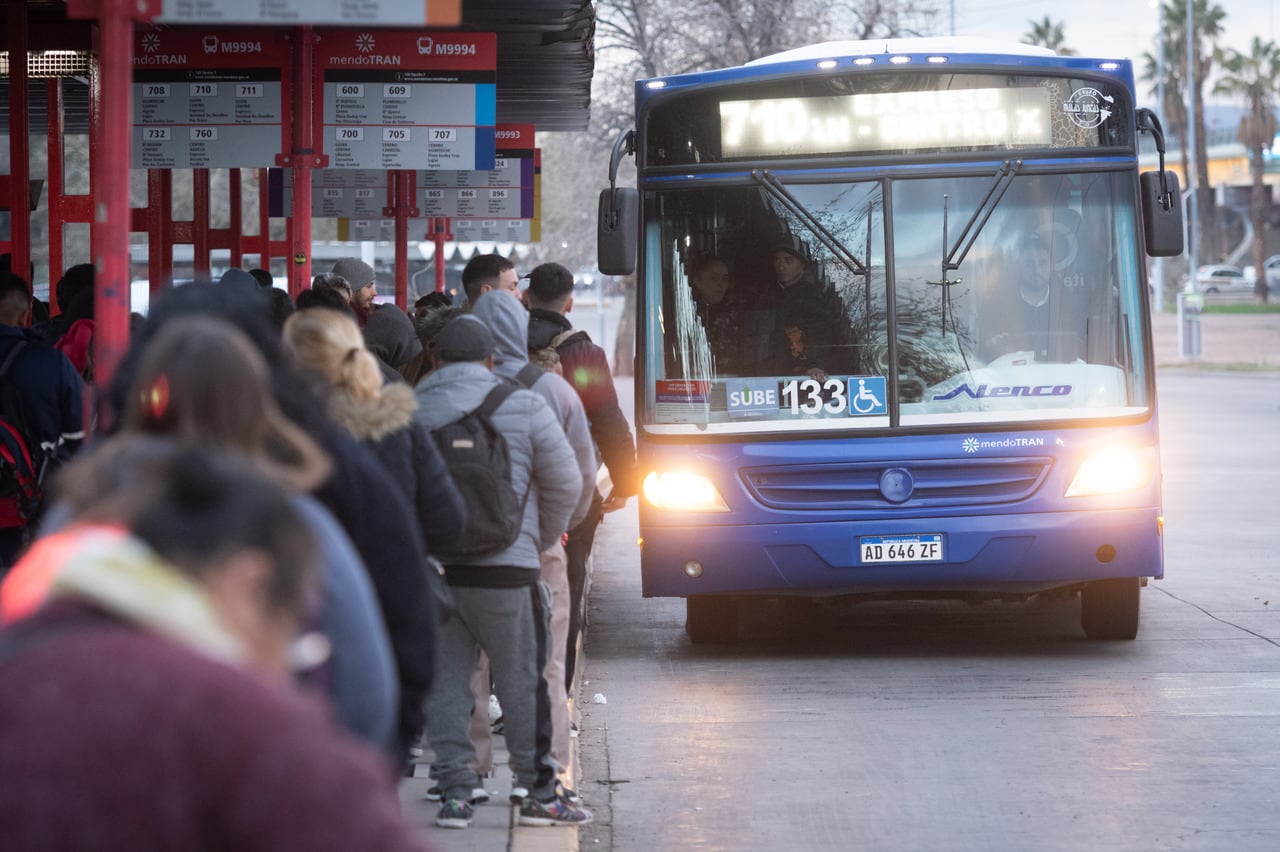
(57, 207)
(19, 148)
(303, 159)
(440, 234)
(109, 231)
(403, 201)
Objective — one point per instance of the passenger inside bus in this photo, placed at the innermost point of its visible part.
(715, 299)
(807, 337)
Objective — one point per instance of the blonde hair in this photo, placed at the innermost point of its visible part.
(330, 343)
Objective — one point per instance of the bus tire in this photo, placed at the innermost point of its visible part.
(711, 619)
(1109, 608)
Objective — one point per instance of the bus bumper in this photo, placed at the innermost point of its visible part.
(999, 554)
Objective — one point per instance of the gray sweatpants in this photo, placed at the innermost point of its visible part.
(511, 627)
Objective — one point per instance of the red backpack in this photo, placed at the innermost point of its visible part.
(21, 459)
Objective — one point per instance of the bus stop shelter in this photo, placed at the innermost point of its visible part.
(73, 68)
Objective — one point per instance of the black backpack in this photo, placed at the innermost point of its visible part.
(480, 463)
(22, 460)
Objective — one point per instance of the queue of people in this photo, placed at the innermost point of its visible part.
(271, 525)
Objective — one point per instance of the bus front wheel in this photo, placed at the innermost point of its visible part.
(711, 619)
(1109, 608)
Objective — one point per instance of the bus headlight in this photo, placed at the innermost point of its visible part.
(1114, 471)
(683, 492)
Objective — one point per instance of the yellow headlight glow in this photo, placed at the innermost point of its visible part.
(683, 492)
(1114, 471)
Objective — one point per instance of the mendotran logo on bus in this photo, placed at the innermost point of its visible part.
(972, 444)
(994, 391)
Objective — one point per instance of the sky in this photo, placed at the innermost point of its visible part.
(1103, 28)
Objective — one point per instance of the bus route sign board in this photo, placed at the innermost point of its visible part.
(504, 192)
(406, 100)
(388, 13)
(463, 230)
(208, 99)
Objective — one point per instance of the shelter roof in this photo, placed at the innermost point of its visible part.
(546, 58)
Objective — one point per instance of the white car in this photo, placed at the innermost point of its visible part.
(1222, 278)
(1272, 267)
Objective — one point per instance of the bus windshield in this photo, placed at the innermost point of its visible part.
(997, 297)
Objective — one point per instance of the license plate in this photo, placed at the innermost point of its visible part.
(926, 547)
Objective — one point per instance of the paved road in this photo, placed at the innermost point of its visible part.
(929, 726)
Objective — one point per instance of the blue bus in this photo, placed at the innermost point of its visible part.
(893, 333)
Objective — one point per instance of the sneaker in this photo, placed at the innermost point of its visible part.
(455, 813)
(567, 793)
(498, 727)
(479, 795)
(555, 812)
(573, 730)
(518, 794)
(495, 709)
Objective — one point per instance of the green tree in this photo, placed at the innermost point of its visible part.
(1255, 77)
(1173, 112)
(1047, 33)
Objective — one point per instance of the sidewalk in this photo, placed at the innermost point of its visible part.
(494, 828)
(1236, 341)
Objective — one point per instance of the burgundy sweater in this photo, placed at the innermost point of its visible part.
(113, 738)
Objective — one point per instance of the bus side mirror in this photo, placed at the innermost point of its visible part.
(1162, 213)
(617, 233)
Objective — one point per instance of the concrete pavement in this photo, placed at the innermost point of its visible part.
(1230, 341)
(494, 828)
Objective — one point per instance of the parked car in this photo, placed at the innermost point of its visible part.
(1222, 278)
(1272, 267)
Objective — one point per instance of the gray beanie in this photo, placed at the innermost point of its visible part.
(465, 339)
(356, 271)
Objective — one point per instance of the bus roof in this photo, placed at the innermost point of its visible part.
(943, 44)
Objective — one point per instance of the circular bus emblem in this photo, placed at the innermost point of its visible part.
(1088, 107)
(897, 485)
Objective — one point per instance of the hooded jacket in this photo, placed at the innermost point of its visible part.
(52, 389)
(390, 336)
(386, 426)
(509, 322)
(542, 463)
(587, 370)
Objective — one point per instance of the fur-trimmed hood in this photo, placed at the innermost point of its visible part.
(374, 419)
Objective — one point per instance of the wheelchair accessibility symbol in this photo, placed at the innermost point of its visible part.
(868, 397)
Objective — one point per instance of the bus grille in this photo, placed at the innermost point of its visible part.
(935, 483)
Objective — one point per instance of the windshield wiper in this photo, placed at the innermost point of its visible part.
(1003, 180)
(955, 255)
(780, 193)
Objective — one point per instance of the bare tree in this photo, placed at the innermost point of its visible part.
(639, 39)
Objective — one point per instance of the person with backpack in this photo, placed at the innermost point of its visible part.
(508, 320)
(517, 475)
(552, 338)
(41, 417)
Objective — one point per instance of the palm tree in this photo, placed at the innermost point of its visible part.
(1255, 76)
(1174, 109)
(1048, 34)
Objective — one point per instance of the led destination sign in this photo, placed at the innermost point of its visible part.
(892, 121)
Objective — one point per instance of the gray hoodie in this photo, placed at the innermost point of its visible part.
(509, 322)
(541, 459)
